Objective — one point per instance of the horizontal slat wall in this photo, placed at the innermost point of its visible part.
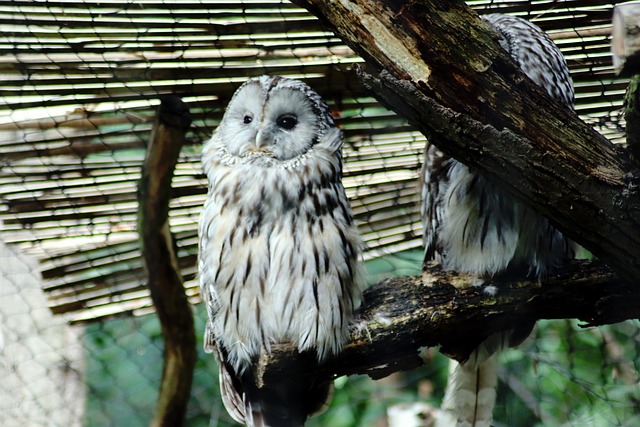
(82, 80)
(581, 28)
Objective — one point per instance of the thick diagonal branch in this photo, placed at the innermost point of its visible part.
(447, 75)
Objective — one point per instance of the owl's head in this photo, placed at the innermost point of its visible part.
(274, 117)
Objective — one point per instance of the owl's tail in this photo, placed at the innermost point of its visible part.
(281, 401)
(471, 388)
(470, 395)
(286, 403)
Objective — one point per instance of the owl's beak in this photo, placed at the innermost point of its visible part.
(262, 144)
(261, 139)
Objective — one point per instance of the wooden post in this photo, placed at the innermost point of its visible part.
(161, 262)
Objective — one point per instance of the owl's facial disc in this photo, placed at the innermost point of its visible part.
(288, 124)
(276, 122)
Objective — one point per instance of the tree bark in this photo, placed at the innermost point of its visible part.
(453, 311)
(446, 74)
(161, 262)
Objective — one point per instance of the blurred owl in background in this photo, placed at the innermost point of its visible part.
(472, 226)
(280, 255)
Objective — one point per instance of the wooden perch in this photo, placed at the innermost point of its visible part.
(625, 39)
(445, 72)
(402, 314)
(161, 262)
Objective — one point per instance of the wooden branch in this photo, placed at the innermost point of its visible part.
(625, 39)
(446, 74)
(161, 262)
(440, 308)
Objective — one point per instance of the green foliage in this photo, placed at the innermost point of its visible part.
(570, 376)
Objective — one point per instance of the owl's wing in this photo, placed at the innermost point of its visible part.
(230, 388)
(435, 179)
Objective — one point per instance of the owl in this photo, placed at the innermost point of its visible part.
(471, 225)
(279, 253)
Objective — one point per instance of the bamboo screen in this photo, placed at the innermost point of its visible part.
(82, 80)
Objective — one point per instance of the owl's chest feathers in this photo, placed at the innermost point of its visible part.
(265, 197)
(279, 253)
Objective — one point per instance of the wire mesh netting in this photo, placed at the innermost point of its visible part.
(81, 82)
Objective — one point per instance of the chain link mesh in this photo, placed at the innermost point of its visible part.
(82, 80)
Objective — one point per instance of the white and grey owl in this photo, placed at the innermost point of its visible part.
(472, 226)
(279, 258)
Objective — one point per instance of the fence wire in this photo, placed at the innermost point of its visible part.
(79, 344)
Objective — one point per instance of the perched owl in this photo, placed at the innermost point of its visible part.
(279, 256)
(472, 226)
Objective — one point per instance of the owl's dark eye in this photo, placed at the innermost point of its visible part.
(287, 121)
(247, 119)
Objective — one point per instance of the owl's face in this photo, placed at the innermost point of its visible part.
(274, 117)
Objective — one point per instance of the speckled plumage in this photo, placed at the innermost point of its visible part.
(471, 225)
(279, 253)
